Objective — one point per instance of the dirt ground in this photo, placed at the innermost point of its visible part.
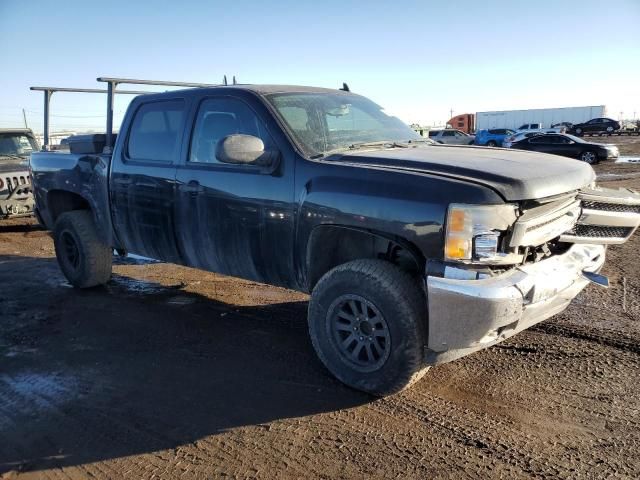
(170, 372)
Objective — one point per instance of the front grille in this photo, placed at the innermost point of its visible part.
(611, 207)
(599, 231)
(14, 181)
(545, 223)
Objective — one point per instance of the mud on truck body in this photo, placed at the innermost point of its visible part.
(16, 197)
(414, 254)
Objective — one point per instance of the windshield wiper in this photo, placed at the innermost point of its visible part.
(383, 143)
(359, 145)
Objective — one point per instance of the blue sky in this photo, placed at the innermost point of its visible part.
(419, 59)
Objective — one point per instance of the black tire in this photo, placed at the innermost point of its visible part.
(398, 306)
(589, 157)
(492, 143)
(83, 258)
(579, 132)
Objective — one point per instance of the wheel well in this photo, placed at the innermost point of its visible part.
(61, 201)
(330, 246)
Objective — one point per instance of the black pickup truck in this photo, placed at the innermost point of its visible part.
(414, 254)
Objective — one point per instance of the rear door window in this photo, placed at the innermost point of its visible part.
(155, 131)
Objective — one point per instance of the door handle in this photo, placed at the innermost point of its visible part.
(193, 188)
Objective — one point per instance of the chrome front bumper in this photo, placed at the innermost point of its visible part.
(469, 315)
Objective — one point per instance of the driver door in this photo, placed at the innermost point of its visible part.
(234, 219)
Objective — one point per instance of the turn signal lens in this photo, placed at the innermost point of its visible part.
(459, 233)
(458, 220)
(458, 248)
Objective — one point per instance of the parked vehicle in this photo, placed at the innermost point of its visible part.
(516, 137)
(529, 126)
(451, 136)
(493, 137)
(414, 254)
(630, 126)
(569, 146)
(596, 125)
(16, 197)
(539, 128)
(566, 125)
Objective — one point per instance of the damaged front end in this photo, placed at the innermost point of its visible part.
(503, 274)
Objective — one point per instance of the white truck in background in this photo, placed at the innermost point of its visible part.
(514, 119)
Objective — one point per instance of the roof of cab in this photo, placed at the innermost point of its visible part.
(16, 130)
(256, 89)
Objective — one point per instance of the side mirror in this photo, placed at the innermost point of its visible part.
(243, 149)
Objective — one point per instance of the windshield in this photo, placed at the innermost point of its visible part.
(16, 144)
(328, 122)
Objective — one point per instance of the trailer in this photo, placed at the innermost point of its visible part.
(513, 119)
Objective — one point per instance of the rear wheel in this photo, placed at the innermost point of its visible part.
(83, 258)
(492, 143)
(367, 324)
(589, 157)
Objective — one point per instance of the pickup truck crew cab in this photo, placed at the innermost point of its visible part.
(414, 254)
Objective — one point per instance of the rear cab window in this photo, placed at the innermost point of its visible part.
(156, 130)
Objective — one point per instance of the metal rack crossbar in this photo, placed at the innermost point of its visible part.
(111, 90)
(48, 91)
(112, 83)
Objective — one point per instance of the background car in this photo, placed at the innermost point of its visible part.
(567, 125)
(568, 146)
(596, 125)
(451, 136)
(516, 137)
(529, 126)
(539, 128)
(492, 137)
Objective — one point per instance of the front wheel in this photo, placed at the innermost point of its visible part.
(83, 258)
(367, 324)
(589, 157)
(578, 131)
(491, 143)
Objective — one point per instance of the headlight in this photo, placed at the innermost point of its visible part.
(473, 231)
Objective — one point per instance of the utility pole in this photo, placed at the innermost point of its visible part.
(24, 117)
(451, 113)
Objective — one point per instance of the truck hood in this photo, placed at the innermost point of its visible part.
(8, 164)
(515, 175)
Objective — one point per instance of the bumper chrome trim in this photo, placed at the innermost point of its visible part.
(469, 315)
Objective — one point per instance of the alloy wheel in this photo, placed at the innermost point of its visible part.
(359, 332)
(70, 248)
(588, 157)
